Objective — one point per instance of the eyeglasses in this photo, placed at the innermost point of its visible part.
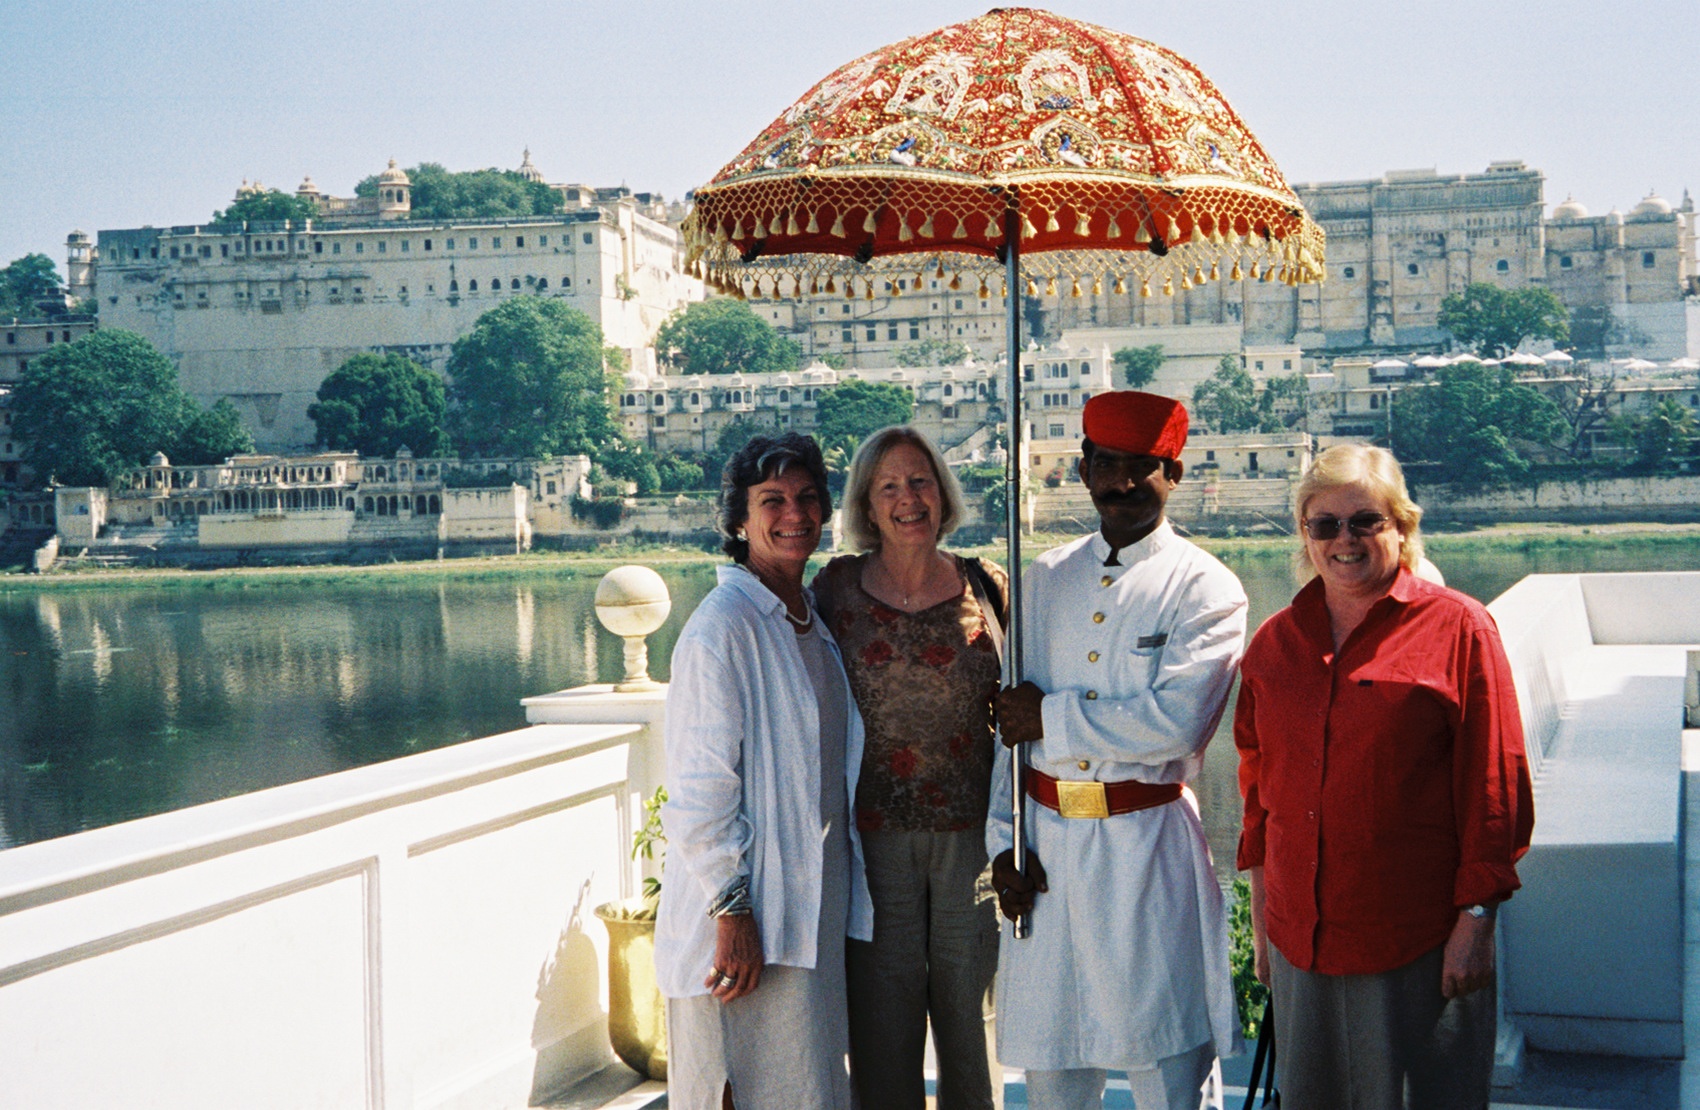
(1364, 524)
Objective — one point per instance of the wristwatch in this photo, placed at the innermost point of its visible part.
(1479, 911)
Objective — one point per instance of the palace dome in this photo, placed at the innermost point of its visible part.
(394, 175)
(1571, 209)
(1651, 205)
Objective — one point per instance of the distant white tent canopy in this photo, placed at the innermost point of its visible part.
(1640, 364)
(1390, 364)
(1430, 362)
(1556, 356)
(1519, 358)
(1685, 364)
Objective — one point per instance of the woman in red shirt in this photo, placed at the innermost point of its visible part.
(1387, 800)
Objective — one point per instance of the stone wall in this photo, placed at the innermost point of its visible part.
(1586, 501)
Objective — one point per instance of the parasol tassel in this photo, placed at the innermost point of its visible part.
(1215, 270)
(791, 227)
(1032, 289)
(1083, 225)
(1115, 231)
(869, 224)
(1051, 286)
(760, 229)
(814, 224)
(1051, 222)
(904, 235)
(1074, 288)
(814, 286)
(1142, 234)
(955, 282)
(1120, 288)
(1186, 282)
(1198, 275)
(737, 229)
(993, 231)
(870, 289)
(961, 231)
(985, 293)
(831, 286)
(1027, 228)
(939, 272)
(1144, 288)
(926, 229)
(920, 280)
(1269, 274)
(838, 227)
(1174, 236)
(773, 228)
(1168, 286)
(1236, 274)
(1097, 285)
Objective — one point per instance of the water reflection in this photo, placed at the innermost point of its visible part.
(116, 704)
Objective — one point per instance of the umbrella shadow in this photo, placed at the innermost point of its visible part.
(569, 1010)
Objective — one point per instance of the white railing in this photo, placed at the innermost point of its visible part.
(412, 934)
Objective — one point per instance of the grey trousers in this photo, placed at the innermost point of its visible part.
(1172, 1083)
(1369, 1042)
(934, 953)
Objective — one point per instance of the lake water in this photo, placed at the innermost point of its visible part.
(120, 703)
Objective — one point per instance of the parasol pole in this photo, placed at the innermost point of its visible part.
(1015, 465)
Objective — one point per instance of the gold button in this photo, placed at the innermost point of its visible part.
(1084, 765)
(1091, 695)
(1105, 581)
(1097, 618)
(1091, 657)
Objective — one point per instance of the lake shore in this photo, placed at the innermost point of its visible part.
(1510, 537)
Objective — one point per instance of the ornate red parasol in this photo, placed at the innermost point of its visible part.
(1020, 137)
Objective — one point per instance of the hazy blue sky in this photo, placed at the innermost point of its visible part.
(153, 111)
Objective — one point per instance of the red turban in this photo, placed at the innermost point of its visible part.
(1137, 423)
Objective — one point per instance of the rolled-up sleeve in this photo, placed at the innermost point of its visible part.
(706, 829)
(1493, 800)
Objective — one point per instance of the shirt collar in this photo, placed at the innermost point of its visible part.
(744, 580)
(1311, 603)
(1159, 538)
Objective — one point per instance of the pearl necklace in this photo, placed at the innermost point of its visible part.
(803, 624)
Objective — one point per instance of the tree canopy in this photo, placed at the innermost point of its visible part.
(105, 403)
(1662, 437)
(1227, 401)
(442, 194)
(1139, 364)
(27, 282)
(377, 404)
(1478, 422)
(934, 352)
(528, 381)
(1492, 321)
(847, 414)
(723, 337)
(270, 204)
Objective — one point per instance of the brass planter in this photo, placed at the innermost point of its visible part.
(637, 1013)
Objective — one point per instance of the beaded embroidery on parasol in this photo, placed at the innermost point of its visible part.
(1125, 164)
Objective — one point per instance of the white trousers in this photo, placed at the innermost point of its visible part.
(1173, 1083)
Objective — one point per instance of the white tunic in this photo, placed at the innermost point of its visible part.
(1128, 958)
(744, 784)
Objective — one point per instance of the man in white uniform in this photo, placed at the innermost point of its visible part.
(1132, 636)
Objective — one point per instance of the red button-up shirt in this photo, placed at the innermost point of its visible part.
(1385, 786)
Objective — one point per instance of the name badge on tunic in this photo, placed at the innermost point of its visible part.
(1156, 641)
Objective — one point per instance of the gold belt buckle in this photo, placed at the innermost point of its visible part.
(1082, 799)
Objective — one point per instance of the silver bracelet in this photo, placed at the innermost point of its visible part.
(734, 901)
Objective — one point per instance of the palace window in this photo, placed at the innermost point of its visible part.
(406, 246)
(519, 240)
(1564, 262)
(1648, 260)
(383, 246)
(914, 329)
(472, 286)
(848, 334)
(587, 238)
(1349, 272)
(1502, 266)
(472, 242)
(1411, 268)
(1056, 431)
(873, 332)
(495, 242)
(360, 248)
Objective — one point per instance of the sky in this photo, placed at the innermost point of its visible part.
(124, 114)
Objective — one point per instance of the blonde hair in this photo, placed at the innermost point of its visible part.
(859, 527)
(1376, 469)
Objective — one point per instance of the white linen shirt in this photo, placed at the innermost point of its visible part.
(1128, 958)
(743, 786)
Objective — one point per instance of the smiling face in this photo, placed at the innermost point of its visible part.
(783, 526)
(1354, 566)
(904, 501)
(1129, 492)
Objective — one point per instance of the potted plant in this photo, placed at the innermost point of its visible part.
(637, 1012)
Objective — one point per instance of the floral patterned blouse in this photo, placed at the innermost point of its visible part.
(922, 681)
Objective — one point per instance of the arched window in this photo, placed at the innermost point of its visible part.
(514, 284)
(785, 396)
(472, 286)
(542, 283)
(395, 506)
(350, 505)
(436, 504)
(368, 504)
(495, 285)
(419, 504)
(454, 286)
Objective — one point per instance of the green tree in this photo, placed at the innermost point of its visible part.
(1478, 422)
(849, 413)
(269, 204)
(1284, 402)
(679, 473)
(529, 381)
(1492, 321)
(437, 193)
(722, 337)
(1139, 364)
(29, 286)
(1662, 437)
(628, 461)
(98, 406)
(934, 352)
(377, 404)
(211, 436)
(1227, 400)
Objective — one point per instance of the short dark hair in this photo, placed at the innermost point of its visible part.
(761, 459)
(1087, 447)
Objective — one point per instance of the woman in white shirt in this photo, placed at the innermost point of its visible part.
(764, 875)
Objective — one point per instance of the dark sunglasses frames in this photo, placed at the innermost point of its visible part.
(1363, 525)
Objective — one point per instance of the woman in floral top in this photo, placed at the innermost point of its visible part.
(921, 631)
